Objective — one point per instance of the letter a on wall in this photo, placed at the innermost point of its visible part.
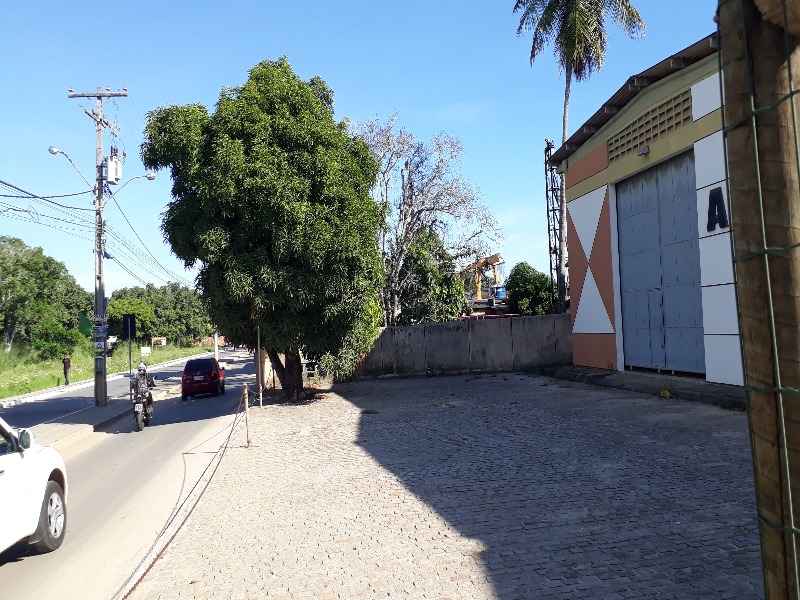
(717, 215)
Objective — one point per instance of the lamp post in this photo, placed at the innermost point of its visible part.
(100, 329)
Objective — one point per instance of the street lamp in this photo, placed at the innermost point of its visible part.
(100, 329)
(53, 150)
(148, 176)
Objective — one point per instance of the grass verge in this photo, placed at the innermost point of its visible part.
(21, 372)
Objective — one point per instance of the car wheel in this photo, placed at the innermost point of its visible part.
(223, 387)
(139, 421)
(183, 397)
(52, 519)
(217, 389)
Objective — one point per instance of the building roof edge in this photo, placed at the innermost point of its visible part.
(630, 89)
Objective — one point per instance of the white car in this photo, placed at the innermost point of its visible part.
(33, 491)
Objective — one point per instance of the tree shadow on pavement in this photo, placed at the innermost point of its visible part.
(574, 492)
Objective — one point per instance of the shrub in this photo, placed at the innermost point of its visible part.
(51, 339)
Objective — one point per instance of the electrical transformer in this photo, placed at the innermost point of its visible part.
(113, 170)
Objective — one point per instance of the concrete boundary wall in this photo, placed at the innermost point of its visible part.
(505, 344)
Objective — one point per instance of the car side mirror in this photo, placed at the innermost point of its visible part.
(25, 439)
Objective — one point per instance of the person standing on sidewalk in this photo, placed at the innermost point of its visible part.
(67, 365)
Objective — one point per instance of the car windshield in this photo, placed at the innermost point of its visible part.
(199, 364)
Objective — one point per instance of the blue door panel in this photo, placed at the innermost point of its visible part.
(659, 258)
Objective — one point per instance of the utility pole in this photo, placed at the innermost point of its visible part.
(760, 60)
(100, 329)
(555, 203)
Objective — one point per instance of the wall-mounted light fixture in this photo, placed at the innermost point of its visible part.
(643, 150)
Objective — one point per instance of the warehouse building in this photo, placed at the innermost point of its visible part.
(649, 241)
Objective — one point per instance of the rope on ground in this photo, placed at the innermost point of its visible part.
(121, 593)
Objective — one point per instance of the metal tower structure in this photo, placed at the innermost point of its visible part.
(554, 207)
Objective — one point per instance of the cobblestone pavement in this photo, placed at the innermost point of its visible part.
(492, 486)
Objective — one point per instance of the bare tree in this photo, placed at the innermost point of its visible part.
(419, 189)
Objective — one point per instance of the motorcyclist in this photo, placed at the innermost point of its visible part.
(143, 382)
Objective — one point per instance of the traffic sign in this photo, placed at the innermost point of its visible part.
(100, 329)
(99, 345)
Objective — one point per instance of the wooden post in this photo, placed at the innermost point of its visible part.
(246, 397)
(260, 370)
(765, 213)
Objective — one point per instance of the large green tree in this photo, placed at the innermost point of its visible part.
(529, 291)
(140, 308)
(36, 290)
(577, 31)
(435, 292)
(177, 312)
(271, 199)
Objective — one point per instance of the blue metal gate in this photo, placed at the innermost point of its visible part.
(659, 256)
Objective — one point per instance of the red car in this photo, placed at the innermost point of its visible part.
(202, 376)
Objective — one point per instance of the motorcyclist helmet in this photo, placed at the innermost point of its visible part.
(141, 366)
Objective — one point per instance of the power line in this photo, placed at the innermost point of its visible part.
(127, 270)
(141, 258)
(76, 223)
(43, 198)
(49, 197)
(70, 211)
(137, 139)
(130, 251)
(121, 250)
(8, 207)
(54, 227)
(167, 271)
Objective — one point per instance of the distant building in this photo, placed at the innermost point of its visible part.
(650, 259)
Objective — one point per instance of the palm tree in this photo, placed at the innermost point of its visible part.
(577, 30)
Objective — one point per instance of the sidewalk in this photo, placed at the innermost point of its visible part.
(493, 486)
(690, 388)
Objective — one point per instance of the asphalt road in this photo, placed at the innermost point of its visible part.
(125, 486)
(70, 399)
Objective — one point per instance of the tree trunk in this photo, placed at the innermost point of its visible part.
(9, 333)
(294, 376)
(765, 212)
(277, 365)
(290, 375)
(561, 276)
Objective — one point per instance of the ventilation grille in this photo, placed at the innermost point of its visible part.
(656, 122)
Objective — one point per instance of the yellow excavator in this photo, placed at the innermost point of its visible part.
(479, 267)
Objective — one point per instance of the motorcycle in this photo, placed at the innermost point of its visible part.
(141, 384)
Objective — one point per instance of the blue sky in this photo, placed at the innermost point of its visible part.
(455, 67)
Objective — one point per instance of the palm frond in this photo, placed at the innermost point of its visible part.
(577, 29)
(626, 16)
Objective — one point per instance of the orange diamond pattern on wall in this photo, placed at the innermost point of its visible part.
(591, 292)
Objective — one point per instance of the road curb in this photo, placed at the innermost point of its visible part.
(729, 397)
(89, 429)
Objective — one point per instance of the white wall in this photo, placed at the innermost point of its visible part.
(706, 97)
(720, 321)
